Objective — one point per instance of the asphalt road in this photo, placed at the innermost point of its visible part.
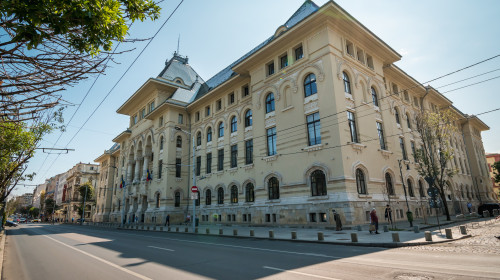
(74, 252)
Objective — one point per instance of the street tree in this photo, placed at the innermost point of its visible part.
(496, 171)
(434, 156)
(34, 212)
(86, 192)
(50, 206)
(47, 46)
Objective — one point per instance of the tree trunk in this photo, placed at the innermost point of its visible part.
(445, 205)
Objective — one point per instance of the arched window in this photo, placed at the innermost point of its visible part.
(396, 115)
(209, 134)
(270, 103)
(318, 183)
(421, 189)
(208, 197)
(234, 194)
(388, 184)
(360, 181)
(273, 187)
(178, 143)
(310, 87)
(234, 125)
(158, 200)
(408, 121)
(410, 188)
(221, 129)
(249, 193)
(198, 139)
(374, 97)
(177, 199)
(161, 143)
(220, 196)
(248, 118)
(347, 83)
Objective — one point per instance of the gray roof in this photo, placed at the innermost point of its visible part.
(178, 67)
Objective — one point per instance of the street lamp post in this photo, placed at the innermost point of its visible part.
(193, 219)
(84, 200)
(409, 214)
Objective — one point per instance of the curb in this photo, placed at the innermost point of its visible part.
(362, 244)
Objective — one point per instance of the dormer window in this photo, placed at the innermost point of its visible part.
(284, 61)
(270, 68)
(299, 53)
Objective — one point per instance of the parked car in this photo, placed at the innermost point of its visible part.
(11, 224)
(35, 221)
(22, 220)
(488, 207)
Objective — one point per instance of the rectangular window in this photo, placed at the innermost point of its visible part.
(160, 168)
(413, 149)
(249, 151)
(369, 61)
(299, 53)
(218, 105)
(151, 107)
(198, 166)
(245, 90)
(220, 160)
(314, 129)
(349, 48)
(284, 61)
(403, 149)
(312, 217)
(209, 163)
(352, 127)
(234, 156)
(134, 119)
(270, 69)
(180, 119)
(271, 141)
(160, 122)
(143, 113)
(207, 111)
(197, 116)
(395, 89)
(381, 138)
(177, 167)
(231, 98)
(361, 55)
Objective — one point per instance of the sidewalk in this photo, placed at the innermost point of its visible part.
(407, 236)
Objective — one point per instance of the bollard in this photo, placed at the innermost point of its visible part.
(294, 235)
(235, 232)
(186, 229)
(354, 237)
(449, 235)
(271, 234)
(358, 228)
(428, 236)
(416, 229)
(207, 230)
(177, 229)
(321, 237)
(486, 213)
(252, 232)
(221, 231)
(386, 228)
(463, 230)
(395, 237)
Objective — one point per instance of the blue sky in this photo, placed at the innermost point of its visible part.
(434, 38)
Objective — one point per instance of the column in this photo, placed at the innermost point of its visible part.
(129, 171)
(136, 172)
(145, 167)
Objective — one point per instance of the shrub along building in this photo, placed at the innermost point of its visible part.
(312, 120)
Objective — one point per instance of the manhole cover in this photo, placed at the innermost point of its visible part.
(408, 276)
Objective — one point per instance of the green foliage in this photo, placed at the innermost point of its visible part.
(86, 188)
(434, 157)
(88, 25)
(50, 205)
(496, 171)
(34, 212)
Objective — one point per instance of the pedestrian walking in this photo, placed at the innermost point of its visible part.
(167, 221)
(374, 221)
(469, 206)
(388, 214)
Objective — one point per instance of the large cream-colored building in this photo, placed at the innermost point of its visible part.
(312, 120)
(78, 175)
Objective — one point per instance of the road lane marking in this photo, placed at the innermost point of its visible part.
(159, 248)
(140, 276)
(300, 273)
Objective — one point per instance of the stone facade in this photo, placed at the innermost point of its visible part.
(491, 158)
(270, 138)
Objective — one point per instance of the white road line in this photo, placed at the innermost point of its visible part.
(140, 276)
(300, 273)
(161, 248)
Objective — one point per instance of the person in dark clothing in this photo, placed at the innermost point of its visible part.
(374, 220)
(167, 221)
(388, 214)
